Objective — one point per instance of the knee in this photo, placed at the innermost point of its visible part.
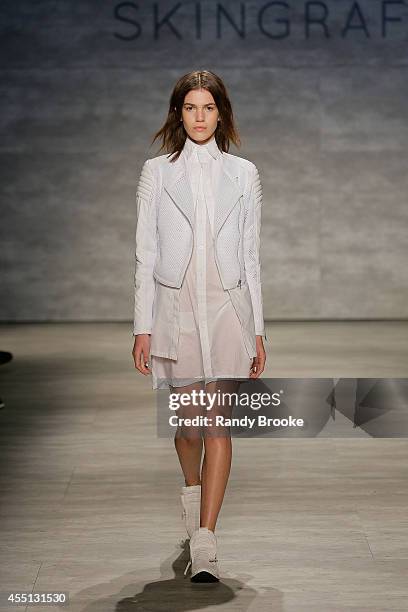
(191, 441)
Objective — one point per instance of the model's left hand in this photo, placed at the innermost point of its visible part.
(258, 363)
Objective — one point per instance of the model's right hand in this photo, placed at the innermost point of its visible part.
(140, 352)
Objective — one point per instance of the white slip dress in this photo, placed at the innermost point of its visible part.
(211, 345)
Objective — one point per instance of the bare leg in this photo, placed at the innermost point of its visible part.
(188, 440)
(217, 459)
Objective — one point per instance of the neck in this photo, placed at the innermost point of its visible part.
(202, 142)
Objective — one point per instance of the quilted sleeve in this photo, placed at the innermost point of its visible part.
(252, 235)
(145, 251)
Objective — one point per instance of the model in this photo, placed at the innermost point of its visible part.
(198, 318)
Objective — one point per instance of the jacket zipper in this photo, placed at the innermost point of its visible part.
(191, 252)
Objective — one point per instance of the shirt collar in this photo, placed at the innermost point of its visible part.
(190, 146)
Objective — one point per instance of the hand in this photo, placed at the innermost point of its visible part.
(258, 363)
(140, 352)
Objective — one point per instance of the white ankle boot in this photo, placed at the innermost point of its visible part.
(203, 551)
(191, 500)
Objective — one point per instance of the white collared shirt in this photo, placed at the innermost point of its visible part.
(202, 165)
(209, 153)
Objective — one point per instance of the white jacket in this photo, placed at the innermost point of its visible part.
(164, 243)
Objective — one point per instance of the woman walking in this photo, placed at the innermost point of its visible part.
(198, 301)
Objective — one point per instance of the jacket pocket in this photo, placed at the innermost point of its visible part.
(165, 329)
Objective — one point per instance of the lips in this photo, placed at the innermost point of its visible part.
(200, 128)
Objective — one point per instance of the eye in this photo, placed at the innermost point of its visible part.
(188, 108)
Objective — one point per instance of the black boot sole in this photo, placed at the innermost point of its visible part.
(204, 577)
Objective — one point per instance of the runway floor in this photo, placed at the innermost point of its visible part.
(90, 495)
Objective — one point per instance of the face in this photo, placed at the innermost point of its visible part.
(200, 111)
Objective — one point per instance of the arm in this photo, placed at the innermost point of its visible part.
(145, 251)
(252, 229)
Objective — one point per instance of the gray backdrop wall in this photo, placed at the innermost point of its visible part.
(319, 91)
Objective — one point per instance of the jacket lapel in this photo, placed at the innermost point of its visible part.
(227, 192)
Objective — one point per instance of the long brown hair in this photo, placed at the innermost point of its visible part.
(173, 134)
